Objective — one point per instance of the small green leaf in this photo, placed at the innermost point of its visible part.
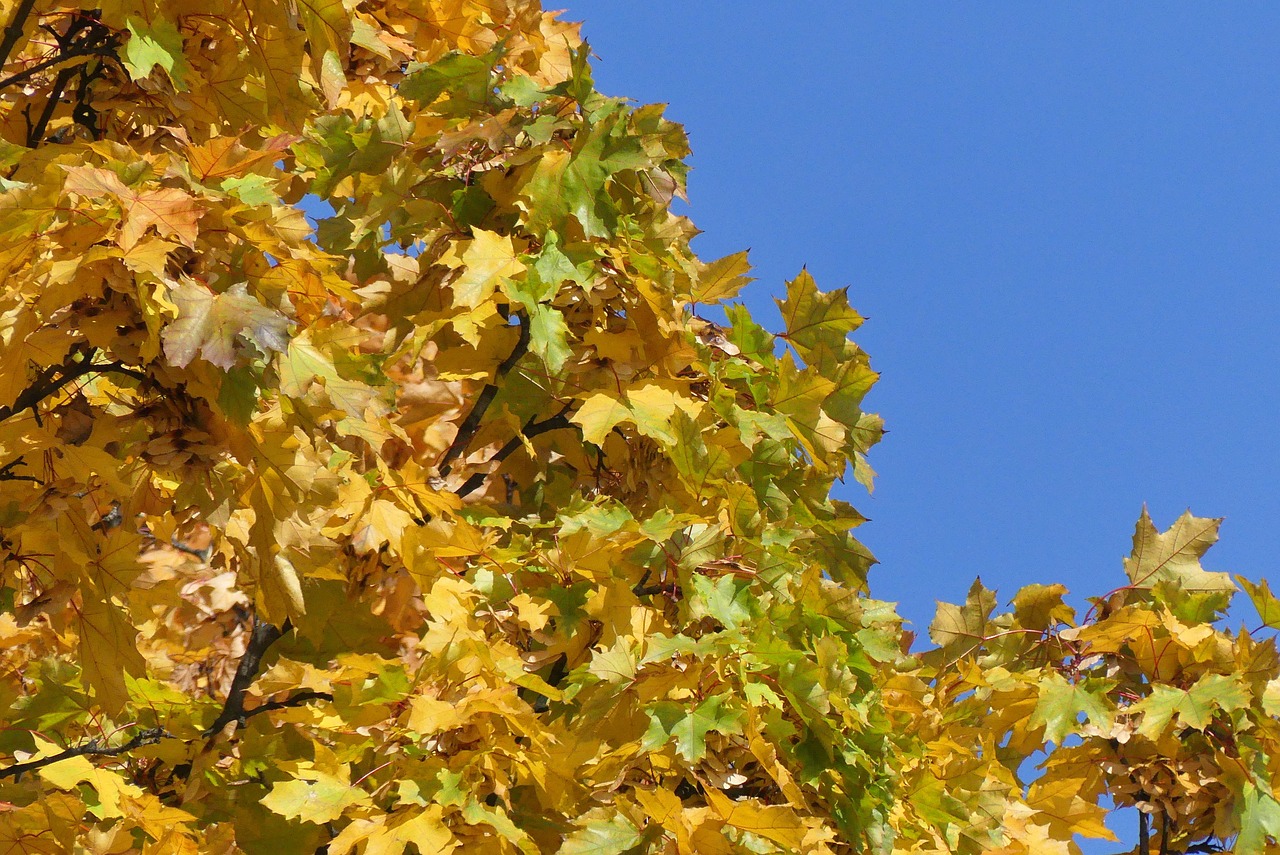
(1193, 707)
(252, 189)
(672, 721)
(1061, 703)
(160, 44)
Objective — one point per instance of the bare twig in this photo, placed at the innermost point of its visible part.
(92, 748)
(49, 382)
(471, 424)
(123, 370)
(97, 42)
(7, 473)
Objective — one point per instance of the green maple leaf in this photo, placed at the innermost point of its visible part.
(549, 336)
(574, 184)
(465, 78)
(1194, 707)
(1061, 702)
(551, 268)
(671, 721)
(1259, 819)
(252, 189)
(158, 43)
(727, 599)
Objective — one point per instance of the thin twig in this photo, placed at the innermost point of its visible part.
(124, 370)
(51, 62)
(7, 473)
(97, 42)
(92, 748)
(294, 700)
(50, 381)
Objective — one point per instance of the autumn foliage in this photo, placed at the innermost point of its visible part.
(375, 477)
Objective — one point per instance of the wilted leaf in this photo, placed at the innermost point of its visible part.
(210, 324)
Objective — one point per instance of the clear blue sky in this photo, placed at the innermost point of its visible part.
(1062, 222)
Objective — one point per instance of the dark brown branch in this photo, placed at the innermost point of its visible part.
(559, 421)
(35, 134)
(13, 31)
(98, 41)
(52, 380)
(51, 62)
(262, 636)
(1144, 835)
(471, 424)
(92, 748)
(7, 473)
(294, 700)
(49, 382)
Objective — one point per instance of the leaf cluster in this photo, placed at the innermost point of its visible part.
(369, 477)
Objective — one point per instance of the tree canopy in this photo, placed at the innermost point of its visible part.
(381, 471)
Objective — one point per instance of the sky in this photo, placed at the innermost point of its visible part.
(1061, 222)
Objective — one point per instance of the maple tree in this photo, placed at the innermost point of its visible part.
(448, 521)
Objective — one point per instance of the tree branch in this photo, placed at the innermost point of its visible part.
(13, 31)
(263, 636)
(98, 42)
(531, 429)
(49, 382)
(92, 748)
(471, 424)
(118, 368)
(52, 380)
(35, 134)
